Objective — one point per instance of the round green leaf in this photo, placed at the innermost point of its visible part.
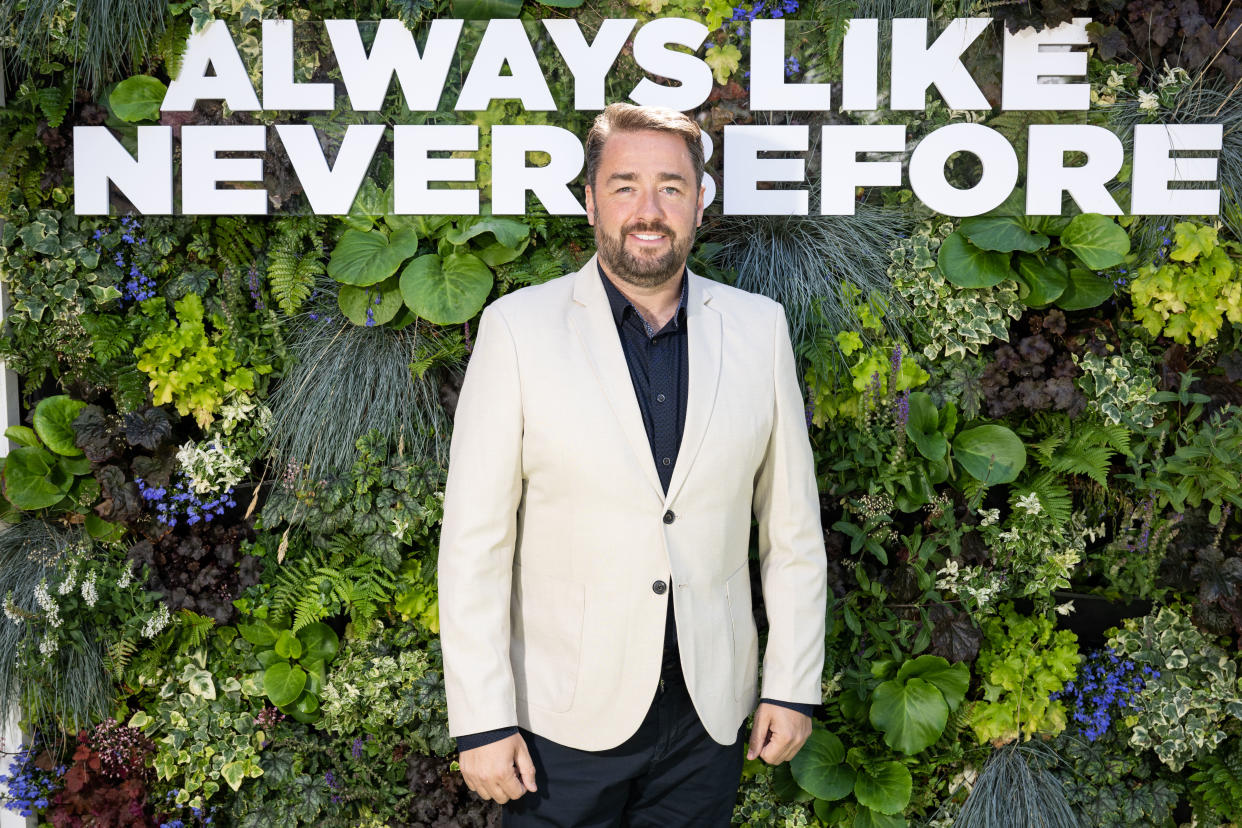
(990, 453)
(138, 98)
(1084, 290)
(867, 818)
(53, 421)
(950, 680)
(923, 426)
(319, 641)
(31, 480)
(1097, 240)
(260, 633)
(1045, 281)
(287, 645)
(911, 715)
(817, 767)
(884, 787)
(267, 658)
(1004, 234)
(365, 258)
(283, 683)
(785, 787)
(967, 266)
(383, 299)
(315, 677)
(22, 435)
(446, 291)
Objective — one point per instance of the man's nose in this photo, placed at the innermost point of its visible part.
(649, 206)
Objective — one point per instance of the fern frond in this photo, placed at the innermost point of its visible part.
(236, 242)
(1053, 496)
(194, 629)
(111, 336)
(117, 657)
(295, 260)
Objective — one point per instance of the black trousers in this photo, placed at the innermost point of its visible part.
(669, 774)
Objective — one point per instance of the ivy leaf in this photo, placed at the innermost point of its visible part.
(724, 61)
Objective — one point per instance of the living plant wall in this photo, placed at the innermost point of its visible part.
(223, 494)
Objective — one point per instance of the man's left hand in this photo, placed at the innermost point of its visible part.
(778, 734)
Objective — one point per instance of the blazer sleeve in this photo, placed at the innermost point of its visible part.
(479, 530)
(792, 559)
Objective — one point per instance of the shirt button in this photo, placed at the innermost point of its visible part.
(666, 461)
(659, 587)
(659, 398)
(669, 517)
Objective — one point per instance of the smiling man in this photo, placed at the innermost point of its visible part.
(616, 430)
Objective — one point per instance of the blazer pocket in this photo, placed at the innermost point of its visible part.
(745, 635)
(545, 648)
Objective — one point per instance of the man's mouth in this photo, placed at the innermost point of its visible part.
(647, 237)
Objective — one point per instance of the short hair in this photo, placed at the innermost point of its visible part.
(624, 117)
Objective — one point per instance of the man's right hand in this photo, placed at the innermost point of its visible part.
(499, 771)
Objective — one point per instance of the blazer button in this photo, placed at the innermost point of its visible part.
(669, 517)
(659, 587)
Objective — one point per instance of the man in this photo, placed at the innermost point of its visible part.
(615, 430)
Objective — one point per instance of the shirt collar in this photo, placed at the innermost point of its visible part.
(618, 302)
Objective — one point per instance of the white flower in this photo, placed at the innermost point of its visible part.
(157, 622)
(1031, 504)
(1148, 100)
(10, 610)
(48, 646)
(127, 576)
(89, 593)
(71, 581)
(989, 516)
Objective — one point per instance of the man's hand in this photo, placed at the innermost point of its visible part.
(502, 770)
(778, 734)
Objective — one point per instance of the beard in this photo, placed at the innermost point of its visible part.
(645, 271)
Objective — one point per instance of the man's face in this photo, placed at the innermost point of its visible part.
(644, 206)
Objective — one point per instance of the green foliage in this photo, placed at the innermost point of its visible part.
(190, 365)
(393, 681)
(138, 98)
(1109, 785)
(205, 731)
(1121, 387)
(1014, 791)
(1217, 784)
(759, 804)
(52, 265)
(294, 664)
(829, 272)
(47, 471)
(1182, 713)
(1023, 661)
(1201, 469)
(945, 318)
(47, 32)
(912, 708)
(446, 285)
(295, 260)
(1005, 244)
(1193, 293)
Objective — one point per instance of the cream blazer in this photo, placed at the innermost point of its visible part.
(556, 527)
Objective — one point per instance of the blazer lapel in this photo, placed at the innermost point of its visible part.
(704, 354)
(592, 319)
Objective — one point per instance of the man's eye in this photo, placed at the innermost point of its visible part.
(624, 189)
(671, 190)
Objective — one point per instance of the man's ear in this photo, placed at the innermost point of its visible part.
(590, 205)
(698, 220)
